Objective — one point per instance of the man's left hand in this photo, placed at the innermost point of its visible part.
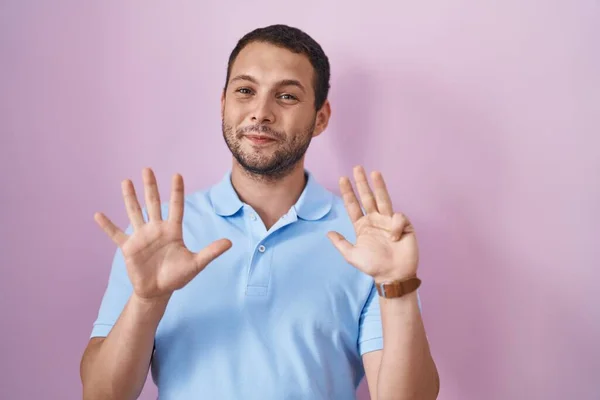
(386, 245)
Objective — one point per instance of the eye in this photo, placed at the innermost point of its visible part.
(244, 90)
(287, 96)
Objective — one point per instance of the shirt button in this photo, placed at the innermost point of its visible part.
(261, 248)
(253, 217)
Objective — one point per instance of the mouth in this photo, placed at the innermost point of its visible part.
(259, 139)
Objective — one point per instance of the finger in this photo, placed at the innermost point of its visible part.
(382, 197)
(134, 211)
(113, 232)
(364, 191)
(350, 201)
(400, 226)
(210, 252)
(151, 195)
(177, 197)
(342, 245)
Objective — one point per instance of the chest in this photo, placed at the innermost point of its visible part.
(303, 288)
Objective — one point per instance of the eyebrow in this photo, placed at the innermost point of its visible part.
(283, 82)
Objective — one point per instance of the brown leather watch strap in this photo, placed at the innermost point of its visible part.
(397, 288)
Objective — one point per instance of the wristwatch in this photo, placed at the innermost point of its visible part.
(397, 288)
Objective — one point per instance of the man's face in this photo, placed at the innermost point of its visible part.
(268, 111)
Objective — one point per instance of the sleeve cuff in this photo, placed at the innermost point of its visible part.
(370, 345)
(100, 330)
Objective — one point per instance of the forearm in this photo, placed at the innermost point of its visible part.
(117, 369)
(407, 369)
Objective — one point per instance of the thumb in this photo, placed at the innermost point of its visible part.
(400, 226)
(210, 252)
(342, 245)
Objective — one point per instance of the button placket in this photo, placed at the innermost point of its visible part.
(259, 267)
(260, 271)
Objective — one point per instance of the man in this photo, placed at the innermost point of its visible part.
(257, 293)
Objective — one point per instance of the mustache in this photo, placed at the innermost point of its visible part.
(260, 129)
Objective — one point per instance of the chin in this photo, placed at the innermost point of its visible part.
(264, 169)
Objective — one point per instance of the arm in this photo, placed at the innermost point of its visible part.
(386, 249)
(151, 264)
(404, 369)
(116, 367)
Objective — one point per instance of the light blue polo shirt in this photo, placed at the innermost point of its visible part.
(280, 315)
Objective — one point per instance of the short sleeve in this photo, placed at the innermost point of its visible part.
(370, 336)
(370, 330)
(116, 295)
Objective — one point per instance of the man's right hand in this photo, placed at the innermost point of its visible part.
(158, 263)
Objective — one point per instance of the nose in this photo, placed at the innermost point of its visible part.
(263, 112)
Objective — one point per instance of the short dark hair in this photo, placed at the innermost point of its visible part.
(296, 41)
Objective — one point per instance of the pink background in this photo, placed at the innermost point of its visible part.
(484, 119)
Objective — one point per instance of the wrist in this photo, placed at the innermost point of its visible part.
(150, 305)
(395, 286)
(394, 277)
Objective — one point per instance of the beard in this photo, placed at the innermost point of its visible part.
(277, 163)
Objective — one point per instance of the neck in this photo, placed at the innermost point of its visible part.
(270, 198)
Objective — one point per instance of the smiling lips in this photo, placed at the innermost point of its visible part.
(259, 139)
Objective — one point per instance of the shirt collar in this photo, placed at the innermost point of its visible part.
(314, 202)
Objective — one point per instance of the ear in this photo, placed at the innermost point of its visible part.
(223, 104)
(322, 119)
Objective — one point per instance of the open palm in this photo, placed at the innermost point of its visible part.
(157, 260)
(386, 245)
